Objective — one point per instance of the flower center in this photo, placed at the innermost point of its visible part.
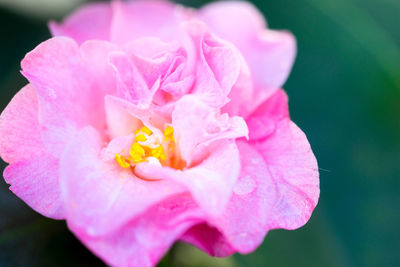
(149, 147)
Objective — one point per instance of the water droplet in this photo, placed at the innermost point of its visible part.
(255, 161)
(51, 93)
(245, 186)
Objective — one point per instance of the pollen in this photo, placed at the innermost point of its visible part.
(158, 153)
(169, 134)
(145, 130)
(149, 146)
(122, 161)
(137, 153)
(140, 137)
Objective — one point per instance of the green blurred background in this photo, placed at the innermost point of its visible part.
(344, 93)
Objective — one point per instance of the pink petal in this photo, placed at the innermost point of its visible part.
(217, 64)
(294, 169)
(117, 146)
(131, 84)
(274, 190)
(246, 220)
(290, 162)
(278, 186)
(136, 19)
(96, 55)
(263, 121)
(143, 241)
(66, 93)
(269, 54)
(153, 57)
(124, 118)
(210, 182)
(101, 196)
(163, 63)
(35, 181)
(197, 125)
(19, 127)
(242, 95)
(32, 172)
(208, 239)
(92, 21)
(151, 48)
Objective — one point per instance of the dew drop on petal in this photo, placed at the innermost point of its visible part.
(244, 186)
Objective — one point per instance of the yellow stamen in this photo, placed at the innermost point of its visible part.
(169, 134)
(122, 161)
(148, 146)
(145, 130)
(137, 153)
(162, 154)
(140, 138)
(158, 153)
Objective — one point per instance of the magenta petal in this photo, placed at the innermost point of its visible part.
(263, 121)
(35, 181)
(269, 54)
(143, 241)
(208, 239)
(92, 21)
(101, 196)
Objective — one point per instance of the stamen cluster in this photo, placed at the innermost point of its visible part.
(147, 146)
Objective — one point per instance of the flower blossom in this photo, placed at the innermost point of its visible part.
(145, 123)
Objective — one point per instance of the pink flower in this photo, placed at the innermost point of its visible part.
(144, 123)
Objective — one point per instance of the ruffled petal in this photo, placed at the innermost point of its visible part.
(92, 21)
(216, 63)
(124, 118)
(153, 57)
(197, 125)
(131, 84)
(246, 220)
(277, 193)
(101, 196)
(278, 186)
(269, 54)
(143, 241)
(210, 182)
(68, 98)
